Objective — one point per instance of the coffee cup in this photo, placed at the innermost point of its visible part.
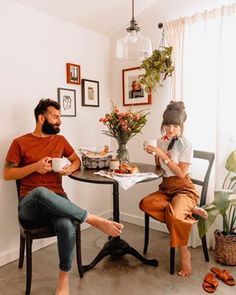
(58, 164)
(151, 142)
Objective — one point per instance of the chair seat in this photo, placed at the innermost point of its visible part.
(37, 233)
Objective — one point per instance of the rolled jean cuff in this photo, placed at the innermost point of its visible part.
(64, 269)
(86, 214)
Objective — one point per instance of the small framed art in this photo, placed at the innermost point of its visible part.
(73, 73)
(133, 91)
(90, 93)
(67, 101)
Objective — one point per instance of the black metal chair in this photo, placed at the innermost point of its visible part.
(204, 184)
(28, 234)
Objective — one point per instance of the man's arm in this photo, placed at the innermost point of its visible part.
(75, 164)
(11, 171)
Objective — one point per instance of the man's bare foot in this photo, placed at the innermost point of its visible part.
(109, 227)
(185, 262)
(200, 211)
(63, 284)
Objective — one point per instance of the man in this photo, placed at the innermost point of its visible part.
(42, 195)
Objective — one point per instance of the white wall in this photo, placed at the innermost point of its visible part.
(159, 11)
(34, 50)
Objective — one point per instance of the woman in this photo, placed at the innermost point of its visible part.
(177, 197)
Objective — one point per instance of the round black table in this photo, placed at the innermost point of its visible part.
(116, 247)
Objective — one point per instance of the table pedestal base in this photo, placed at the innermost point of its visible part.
(116, 247)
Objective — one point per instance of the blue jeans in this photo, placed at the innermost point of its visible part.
(43, 206)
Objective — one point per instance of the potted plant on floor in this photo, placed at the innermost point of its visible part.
(224, 204)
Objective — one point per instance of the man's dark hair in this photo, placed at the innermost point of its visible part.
(43, 105)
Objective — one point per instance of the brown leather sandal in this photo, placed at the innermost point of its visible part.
(224, 275)
(210, 283)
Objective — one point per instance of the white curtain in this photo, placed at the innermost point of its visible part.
(204, 49)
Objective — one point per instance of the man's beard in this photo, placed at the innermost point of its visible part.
(49, 128)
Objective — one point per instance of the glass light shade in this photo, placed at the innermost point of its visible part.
(134, 47)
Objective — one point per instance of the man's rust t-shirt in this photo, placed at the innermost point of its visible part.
(28, 149)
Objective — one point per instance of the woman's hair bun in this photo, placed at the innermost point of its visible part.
(176, 105)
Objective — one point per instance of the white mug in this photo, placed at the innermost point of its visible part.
(152, 142)
(58, 164)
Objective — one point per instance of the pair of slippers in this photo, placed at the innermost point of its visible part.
(210, 283)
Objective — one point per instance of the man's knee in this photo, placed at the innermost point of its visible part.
(40, 191)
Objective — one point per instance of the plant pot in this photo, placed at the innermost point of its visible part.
(225, 248)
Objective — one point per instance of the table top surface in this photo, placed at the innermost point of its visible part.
(87, 175)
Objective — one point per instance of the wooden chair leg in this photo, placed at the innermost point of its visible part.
(28, 264)
(204, 248)
(146, 233)
(78, 251)
(21, 252)
(172, 260)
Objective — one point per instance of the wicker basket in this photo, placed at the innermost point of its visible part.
(225, 248)
(96, 162)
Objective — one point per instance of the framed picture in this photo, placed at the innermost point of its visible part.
(90, 93)
(73, 73)
(133, 92)
(67, 101)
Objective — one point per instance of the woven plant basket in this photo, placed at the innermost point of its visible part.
(225, 248)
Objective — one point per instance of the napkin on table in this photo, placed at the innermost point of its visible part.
(127, 182)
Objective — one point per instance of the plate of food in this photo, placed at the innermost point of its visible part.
(126, 170)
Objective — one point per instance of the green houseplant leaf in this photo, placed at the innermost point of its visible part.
(230, 164)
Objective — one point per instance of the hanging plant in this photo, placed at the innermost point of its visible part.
(157, 67)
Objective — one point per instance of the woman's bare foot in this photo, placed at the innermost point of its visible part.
(200, 211)
(185, 262)
(63, 284)
(109, 227)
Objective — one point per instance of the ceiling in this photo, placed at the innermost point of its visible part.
(102, 16)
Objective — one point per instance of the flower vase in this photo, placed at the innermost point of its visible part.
(122, 153)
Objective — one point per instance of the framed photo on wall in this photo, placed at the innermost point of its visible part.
(133, 91)
(73, 73)
(90, 93)
(67, 101)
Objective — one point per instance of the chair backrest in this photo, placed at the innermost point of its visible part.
(18, 189)
(204, 183)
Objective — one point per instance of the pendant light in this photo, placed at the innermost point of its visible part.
(134, 46)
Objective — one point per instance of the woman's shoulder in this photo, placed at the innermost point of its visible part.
(184, 143)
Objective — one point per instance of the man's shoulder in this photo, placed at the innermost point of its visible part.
(23, 137)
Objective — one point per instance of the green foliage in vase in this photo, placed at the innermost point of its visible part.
(157, 68)
(224, 203)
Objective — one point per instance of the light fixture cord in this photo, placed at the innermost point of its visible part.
(162, 42)
(132, 9)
